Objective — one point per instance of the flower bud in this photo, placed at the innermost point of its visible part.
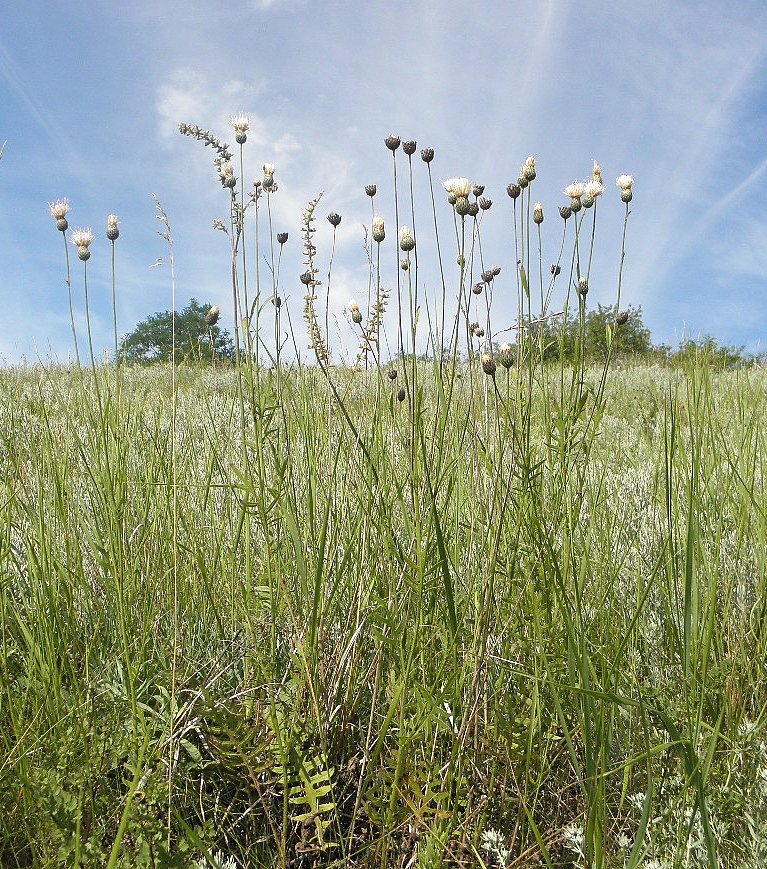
(112, 231)
(401, 395)
(406, 240)
(538, 213)
(379, 232)
(211, 318)
(506, 356)
(462, 205)
(488, 364)
(583, 286)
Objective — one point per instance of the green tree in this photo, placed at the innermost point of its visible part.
(196, 341)
(631, 337)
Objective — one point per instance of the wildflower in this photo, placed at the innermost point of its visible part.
(459, 187)
(282, 237)
(597, 173)
(477, 289)
(575, 839)
(427, 154)
(409, 148)
(379, 233)
(538, 213)
(478, 190)
(241, 124)
(488, 364)
(485, 203)
(334, 219)
(565, 212)
(513, 190)
(354, 310)
(487, 276)
(575, 190)
(622, 318)
(593, 189)
(625, 183)
(506, 355)
(226, 174)
(583, 286)
(82, 240)
(370, 190)
(268, 181)
(528, 170)
(112, 231)
(59, 210)
(392, 142)
(477, 331)
(211, 318)
(406, 240)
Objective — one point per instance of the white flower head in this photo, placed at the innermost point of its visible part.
(378, 223)
(112, 220)
(597, 172)
(575, 190)
(240, 122)
(625, 182)
(406, 240)
(59, 208)
(594, 188)
(353, 306)
(457, 186)
(227, 169)
(269, 170)
(82, 237)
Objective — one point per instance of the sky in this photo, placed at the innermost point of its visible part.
(91, 95)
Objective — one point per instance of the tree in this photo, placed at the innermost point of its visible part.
(196, 341)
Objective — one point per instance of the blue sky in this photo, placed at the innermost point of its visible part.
(91, 94)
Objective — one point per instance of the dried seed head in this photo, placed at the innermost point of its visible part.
(370, 189)
(334, 219)
(514, 190)
(392, 374)
(427, 154)
(473, 209)
(477, 331)
(406, 240)
(556, 270)
(538, 213)
(583, 286)
(506, 356)
(409, 148)
(565, 212)
(404, 264)
(379, 232)
(622, 318)
(487, 276)
(112, 231)
(488, 364)
(277, 302)
(478, 190)
(282, 237)
(496, 270)
(211, 318)
(477, 289)
(401, 395)
(307, 278)
(484, 204)
(392, 142)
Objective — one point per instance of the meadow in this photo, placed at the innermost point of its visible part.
(469, 609)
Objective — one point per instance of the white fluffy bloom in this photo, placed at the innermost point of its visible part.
(624, 181)
(458, 186)
(594, 188)
(240, 122)
(82, 237)
(575, 190)
(59, 208)
(269, 169)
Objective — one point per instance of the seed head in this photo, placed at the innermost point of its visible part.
(334, 219)
(622, 318)
(226, 174)
(625, 183)
(404, 264)
(392, 142)
(565, 212)
(478, 190)
(477, 331)
(488, 364)
(282, 237)
(528, 170)
(427, 154)
(556, 270)
(409, 148)
(488, 276)
(462, 205)
(406, 240)
(392, 374)
(307, 278)
(597, 173)
(112, 231)
(484, 203)
(506, 356)
(354, 310)
(538, 213)
(379, 232)
(477, 289)
(522, 181)
(211, 318)
(370, 190)
(401, 395)
(496, 270)
(514, 190)
(583, 286)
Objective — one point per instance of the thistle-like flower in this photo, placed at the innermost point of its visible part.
(528, 170)
(268, 182)
(625, 182)
(370, 189)
(334, 219)
(379, 232)
(538, 213)
(112, 231)
(514, 190)
(594, 189)
(427, 154)
(488, 364)
(82, 240)
(226, 174)
(59, 210)
(406, 240)
(392, 142)
(597, 172)
(282, 237)
(211, 318)
(409, 148)
(354, 310)
(583, 286)
(506, 355)
(575, 190)
(458, 187)
(241, 124)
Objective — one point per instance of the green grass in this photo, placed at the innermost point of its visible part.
(387, 627)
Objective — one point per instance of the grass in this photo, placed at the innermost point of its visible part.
(469, 614)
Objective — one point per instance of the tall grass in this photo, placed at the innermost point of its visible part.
(467, 615)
